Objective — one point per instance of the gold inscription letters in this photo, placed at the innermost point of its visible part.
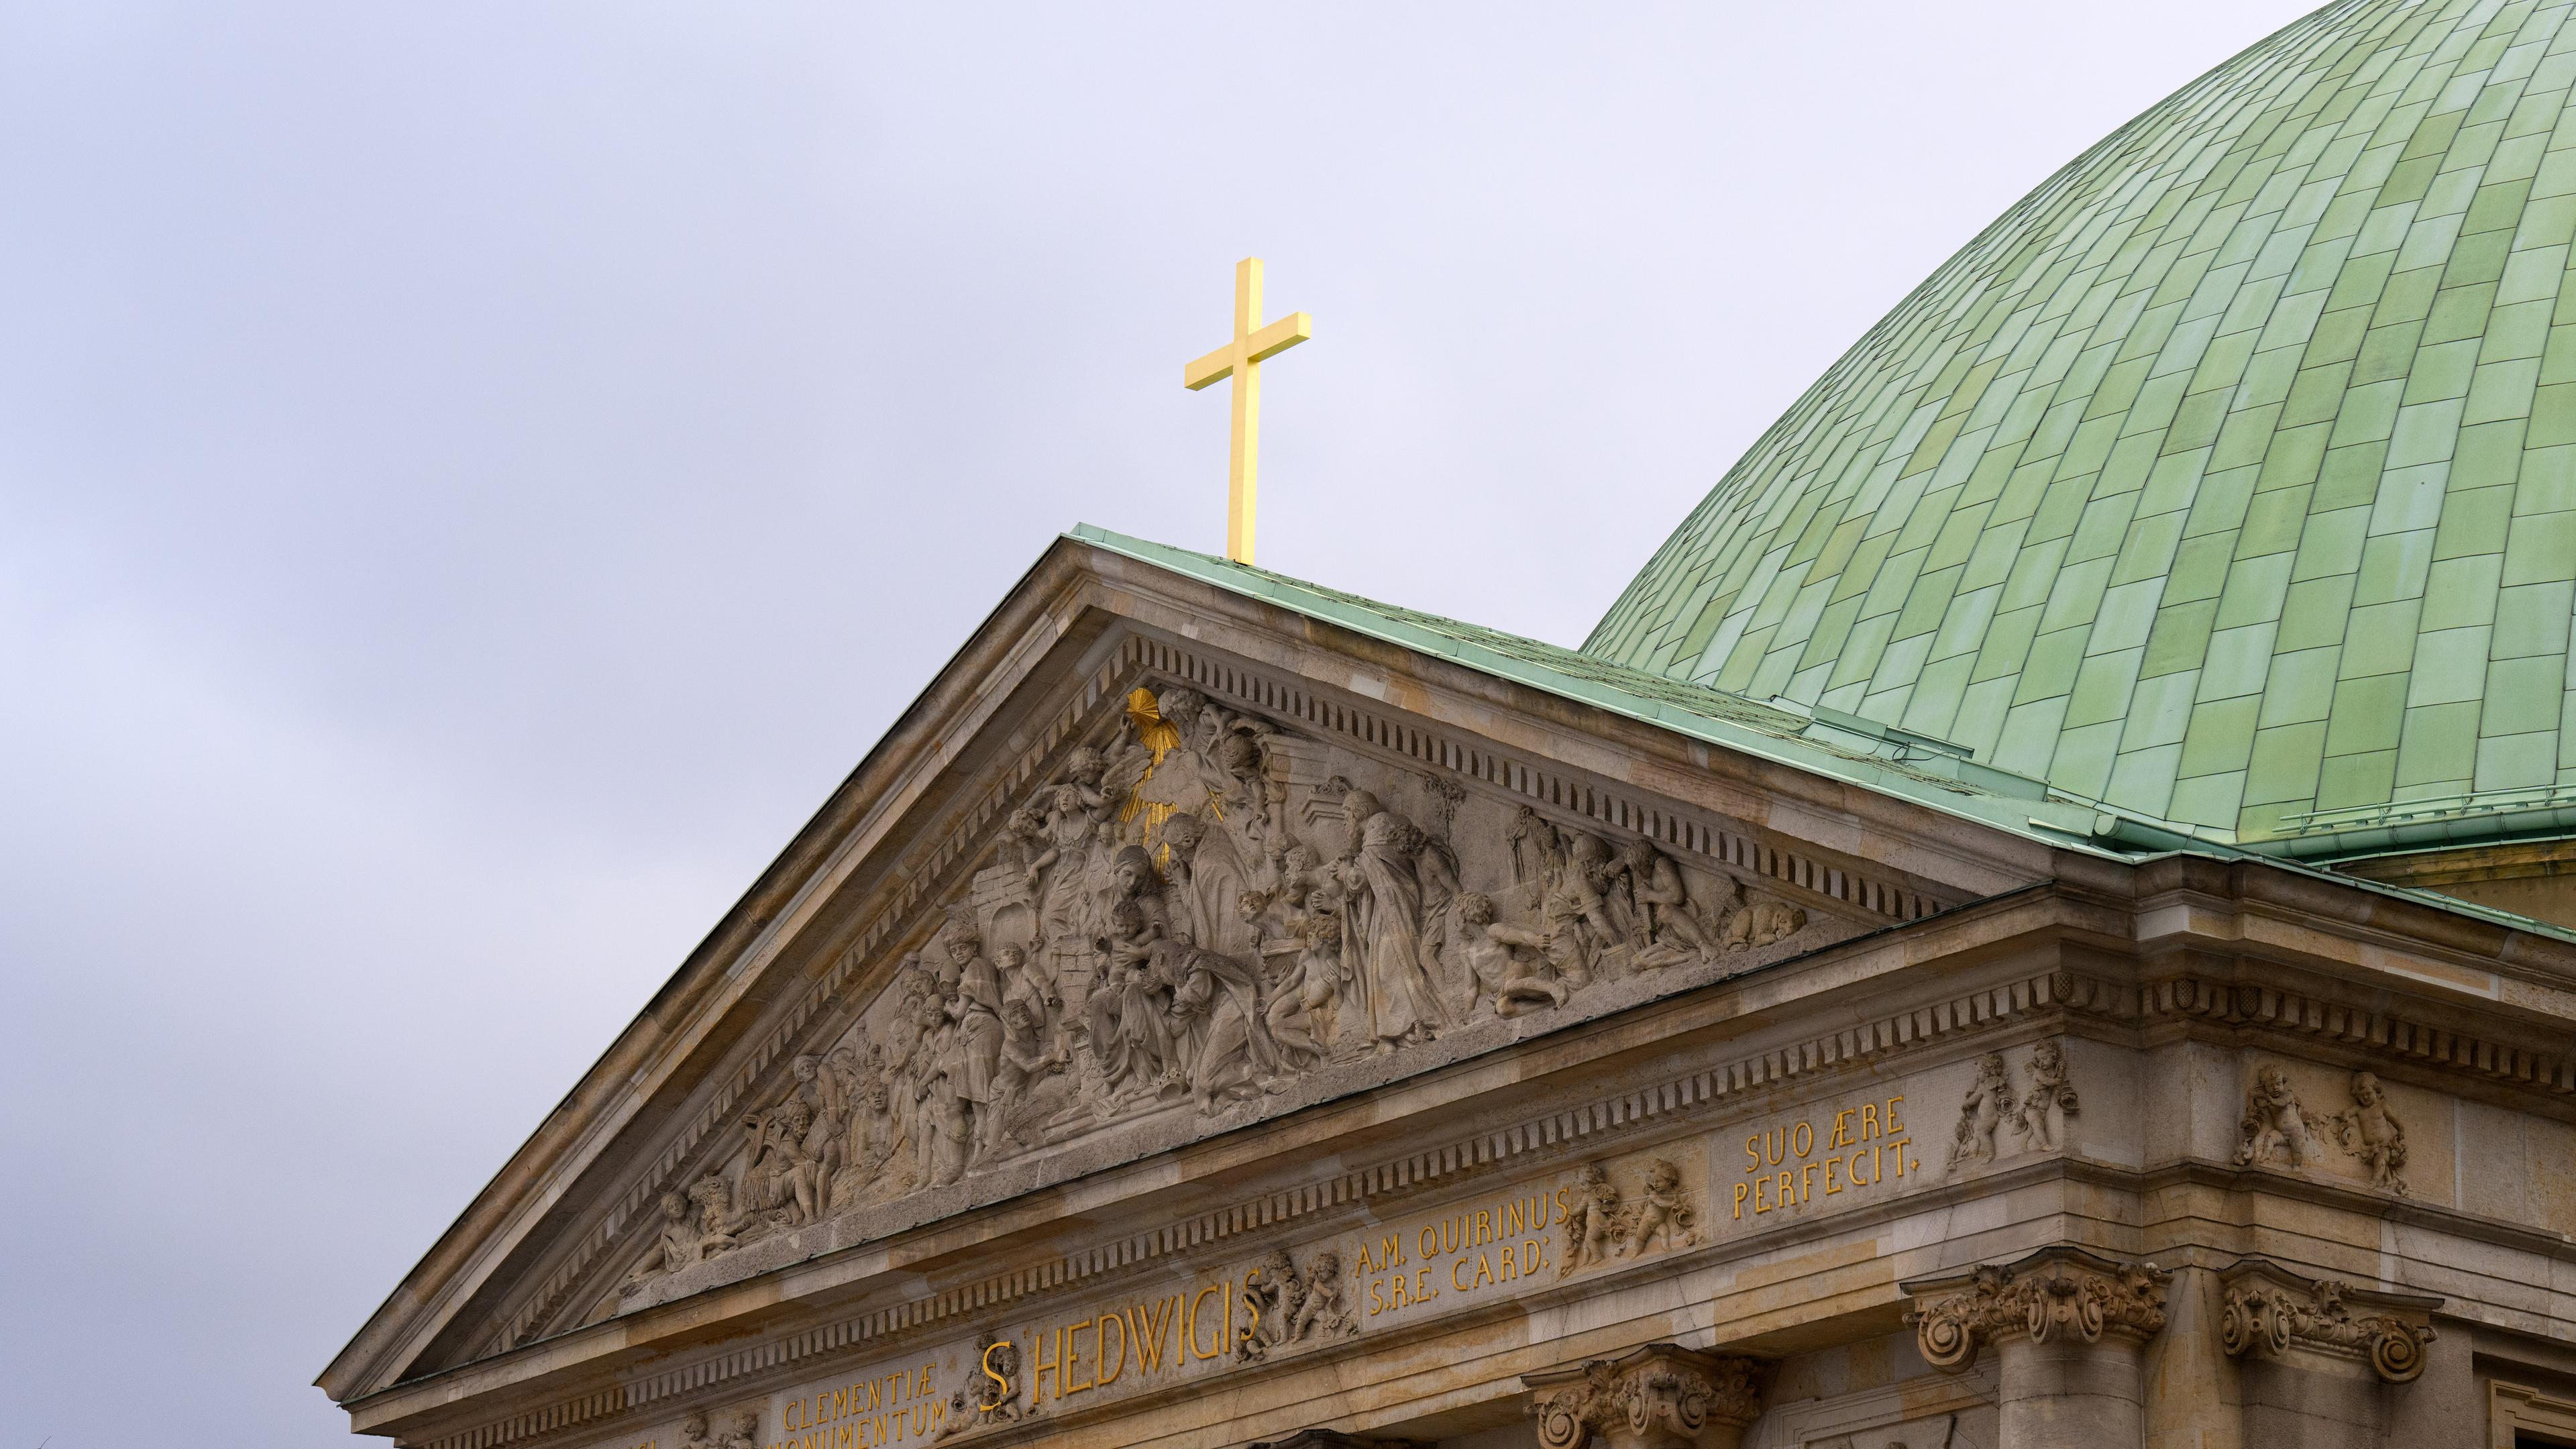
(1791, 1166)
(891, 1408)
(1466, 1250)
(1155, 1338)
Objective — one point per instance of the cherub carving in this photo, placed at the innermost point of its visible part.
(1591, 1221)
(2368, 1130)
(745, 1433)
(1272, 1293)
(1302, 1006)
(1986, 1105)
(1506, 964)
(1325, 1310)
(2041, 1123)
(984, 1398)
(1285, 1306)
(2273, 1125)
(1663, 1211)
(693, 1431)
(674, 1247)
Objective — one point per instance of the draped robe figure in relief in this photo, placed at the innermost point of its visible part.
(974, 1006)
(1575, 914)
(1384, 909)
(779, 1179)
(868, 1135)
(1128, 1029)
(1204, 881)
(943, 1126)
(906, 1058)
(1216, 1010)
(1058, 878)
(1182, 733)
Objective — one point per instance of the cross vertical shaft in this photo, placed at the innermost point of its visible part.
(1241, 359)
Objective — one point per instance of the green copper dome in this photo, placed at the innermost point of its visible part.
(2229, 478)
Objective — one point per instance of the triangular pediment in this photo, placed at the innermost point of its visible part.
(1161, 856)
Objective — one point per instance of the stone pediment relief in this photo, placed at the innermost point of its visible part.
(1207, 899)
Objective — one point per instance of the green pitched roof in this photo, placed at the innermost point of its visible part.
(2228, 479)
(1821, 741)
(1838, 747)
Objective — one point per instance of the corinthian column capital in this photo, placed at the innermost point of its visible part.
(2054, 1295)
(2277, 1313)
(1661, 1396)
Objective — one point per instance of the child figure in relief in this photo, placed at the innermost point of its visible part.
(1663, 1211)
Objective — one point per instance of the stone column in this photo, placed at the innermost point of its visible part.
(2319, 1359)
(1662, 1396)
(2067, 1326)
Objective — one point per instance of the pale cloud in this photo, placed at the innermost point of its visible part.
(472, 478)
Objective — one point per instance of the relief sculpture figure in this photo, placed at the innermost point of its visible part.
(2049, 1102)
(1664, 1211)
(1205, 882)
(721, 1228)
(1506, 964)
(1301, 1011)
(2370, 1132)
(1128, 1027)
(674, 1247)
(1663, 932)
(1222, 1041)
(1591, 1222)
(780, 1179)
(1983, 1108)
(1384, 910)
(974, 1010)
(2274, 1126)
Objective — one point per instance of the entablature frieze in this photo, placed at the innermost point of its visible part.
(1768, 1066)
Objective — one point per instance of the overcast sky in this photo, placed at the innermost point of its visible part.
(473, 477)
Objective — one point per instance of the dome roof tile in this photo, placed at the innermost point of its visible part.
(2229, 478)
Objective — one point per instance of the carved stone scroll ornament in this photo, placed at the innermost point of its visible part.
(1661, 1396)
(2058, 1293)
(2273, 1311)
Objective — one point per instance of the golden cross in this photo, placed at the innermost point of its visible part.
(1241, 360)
